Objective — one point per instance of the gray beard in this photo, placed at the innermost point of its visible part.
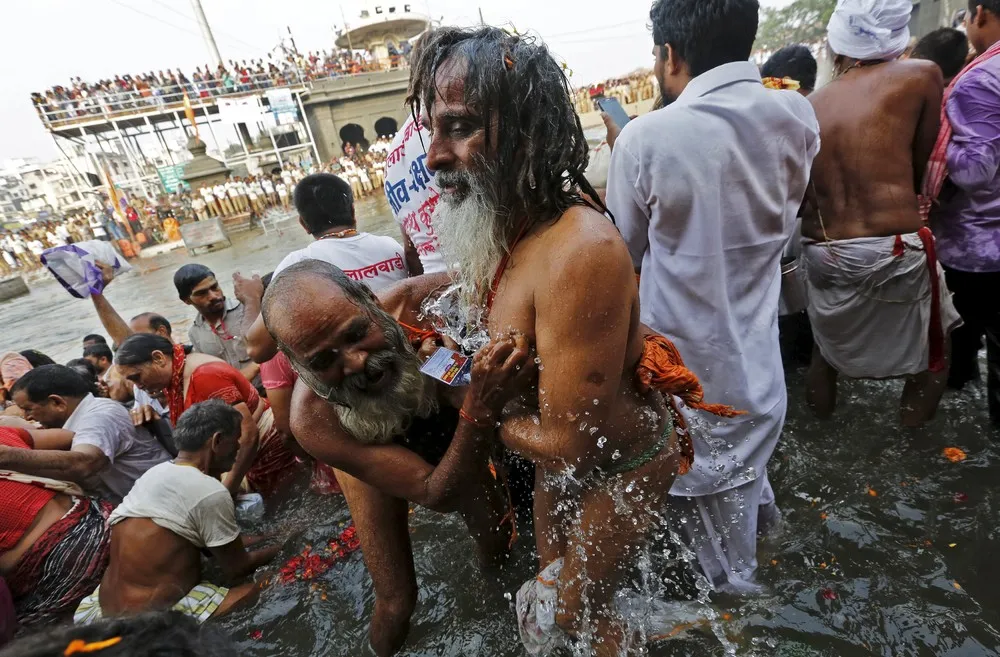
(376, 419)
(470, 236)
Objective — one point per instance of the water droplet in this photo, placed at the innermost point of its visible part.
(596, 402)
(616, 455)
(592, 430)
(507, 596)
(601, 441)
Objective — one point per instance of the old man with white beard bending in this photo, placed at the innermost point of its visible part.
(393, 435)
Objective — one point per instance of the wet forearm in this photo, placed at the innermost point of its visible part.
(259, 558)
(51, 464)
(549, 450)
(469, 451)
(249, 441)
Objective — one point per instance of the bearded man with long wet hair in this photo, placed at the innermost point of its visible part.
(533, 257)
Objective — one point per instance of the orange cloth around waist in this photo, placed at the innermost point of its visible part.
(661, 368)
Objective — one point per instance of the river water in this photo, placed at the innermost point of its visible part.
(887, 549)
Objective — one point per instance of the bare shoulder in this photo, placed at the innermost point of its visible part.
(918, 68)
(584, 239)
(919, 72)
(583, 227)
(312, 418)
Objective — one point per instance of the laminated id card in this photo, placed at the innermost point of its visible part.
(449, 367)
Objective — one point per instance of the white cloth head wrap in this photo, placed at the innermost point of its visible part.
(870, 29)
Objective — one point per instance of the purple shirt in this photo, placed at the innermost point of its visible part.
(967, 225)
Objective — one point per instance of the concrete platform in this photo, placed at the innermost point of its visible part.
(11, 288)
(157, 249)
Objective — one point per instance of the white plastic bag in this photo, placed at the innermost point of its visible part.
(74, 268)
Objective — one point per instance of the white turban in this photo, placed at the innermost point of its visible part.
(870, 29)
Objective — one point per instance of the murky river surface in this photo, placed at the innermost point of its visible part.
(888, 547)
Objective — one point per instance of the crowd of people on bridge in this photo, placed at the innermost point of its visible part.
(126, 92)
(520, 358)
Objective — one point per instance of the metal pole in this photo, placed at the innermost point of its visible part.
(347, 30)
(67, 160)
(239, 136)
(160, 138)
(206, 30)
(305, 119)
(218, 147)
(274, 144)
(127, 152)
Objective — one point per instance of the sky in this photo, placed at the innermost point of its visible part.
(46, 42)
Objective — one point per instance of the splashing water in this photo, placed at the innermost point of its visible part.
(449, 317)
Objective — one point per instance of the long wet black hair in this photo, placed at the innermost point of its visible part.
(513, 84)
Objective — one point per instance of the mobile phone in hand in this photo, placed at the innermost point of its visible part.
(614, 109)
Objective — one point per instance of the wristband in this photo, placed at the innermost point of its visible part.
(479, 424)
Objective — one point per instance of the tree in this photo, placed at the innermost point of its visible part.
(803, 21)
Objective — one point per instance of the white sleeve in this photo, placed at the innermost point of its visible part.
(214, 518)
(626, 203)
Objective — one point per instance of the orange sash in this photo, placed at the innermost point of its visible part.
(661, 368)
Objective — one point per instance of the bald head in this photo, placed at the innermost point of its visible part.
(346, 349)
(302, 295)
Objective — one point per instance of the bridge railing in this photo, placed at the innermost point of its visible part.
(61, 113)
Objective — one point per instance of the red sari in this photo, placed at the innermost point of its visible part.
(218, 380)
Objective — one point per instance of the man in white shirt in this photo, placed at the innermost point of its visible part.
(210, 203)
(705, 192)
(199, 207)
(103, 451)
(52, 237)
(236, 197)
(220, 195)
(63, 232)
(412, 195)
(174, 511)
(282, 189)
(326, 211)
(268, 186)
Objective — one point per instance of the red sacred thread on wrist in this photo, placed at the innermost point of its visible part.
(479, 424)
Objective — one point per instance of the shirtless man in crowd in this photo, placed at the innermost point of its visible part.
(509, 155)
(362, 406)
(878, 303)
(174, 511)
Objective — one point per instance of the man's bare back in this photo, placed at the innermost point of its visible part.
(151, 568)
(878, 122)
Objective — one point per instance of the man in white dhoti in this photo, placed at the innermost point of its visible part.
(706, 192)
(878, 303)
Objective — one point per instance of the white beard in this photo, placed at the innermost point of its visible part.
(471, 241)
(378, 419)
(381, 417)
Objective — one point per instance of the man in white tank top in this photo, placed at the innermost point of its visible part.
(326, 211)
